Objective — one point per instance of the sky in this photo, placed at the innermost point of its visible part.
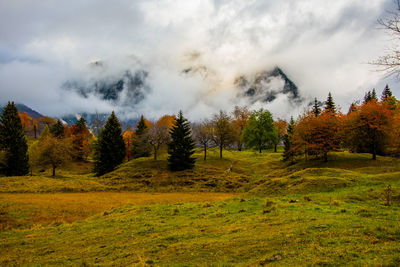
(322, 46)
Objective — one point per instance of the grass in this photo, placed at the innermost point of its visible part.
(309, 213)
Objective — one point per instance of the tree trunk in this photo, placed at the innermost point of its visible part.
(374, 152)
(326, 157)
(260, 149)
(220, 151)
(275, 147)
(155, 153)
(239, 147)
(205, 152)
(54, 171)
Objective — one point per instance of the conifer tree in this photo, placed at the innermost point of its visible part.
(373, 95)
(110, 148)
(180, 149)
(13, 142)
(316, 108)
(57, 129)
(288, 153)
(140, 143)
(329, 104)
(386, 93)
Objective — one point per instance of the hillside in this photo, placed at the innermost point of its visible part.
(270, 213)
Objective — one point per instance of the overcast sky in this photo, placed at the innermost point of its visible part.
(321, 45)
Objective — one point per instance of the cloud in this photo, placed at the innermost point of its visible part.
(321, 46)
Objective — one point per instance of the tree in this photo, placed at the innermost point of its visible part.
(159, 133)
(316, 108)
(180, 149)
(280, 131)
(203, 135)
(128, 137)
(57, 129)
(330, 105)
(140, 143)
(80, 139)
(240, 117)
(368, 129)
(386, 93)
(27, 122)
(259, 132)
(288, 153)
(222, 133)
(390, 63)
(13, 142)
(53, 151)
(110, 148)
(318, 135)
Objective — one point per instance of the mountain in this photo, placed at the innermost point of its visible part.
(23, 108)
(265, 86)
(127, 89)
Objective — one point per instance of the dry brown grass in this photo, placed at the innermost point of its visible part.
(26, 210)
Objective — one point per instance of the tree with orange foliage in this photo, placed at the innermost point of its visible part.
(318, 135)
(26, 121)
(280, 130)
(368, 128)
(159, 133)
(128, 137)
(240, 117)
(80, 139)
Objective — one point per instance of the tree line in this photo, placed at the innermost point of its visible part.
(370, 126)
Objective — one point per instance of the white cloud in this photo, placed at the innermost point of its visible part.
(322, 46)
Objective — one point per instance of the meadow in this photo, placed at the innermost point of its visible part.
(244, 210)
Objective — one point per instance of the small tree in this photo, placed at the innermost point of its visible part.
(222, 133)
(280, 131)
(180, 149)
(128, 138)
(110, 148)
(13, 141)
(159, 133)
(259, 132)
(316, 108)
(80, 139)
(53, 151)
(203, 135)
(329, 104)
(58, 129)
(240, 117)
(140, 143)
(289, 153)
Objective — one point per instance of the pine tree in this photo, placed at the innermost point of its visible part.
(110, 148)
(288, 153)
(316, 108)
(374, 95)
(13, 142)
(181, 147)
(386, 93)
(140, 143)
(329, 104)
(57, 129)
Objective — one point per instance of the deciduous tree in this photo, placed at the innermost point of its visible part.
(203, 135)
(222, 133)
(240, 117)
(259, 132)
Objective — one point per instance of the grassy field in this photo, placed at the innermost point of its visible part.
(247, 209)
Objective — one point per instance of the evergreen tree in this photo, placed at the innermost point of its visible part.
(386, 93)
(288, 153)
(57, 129)
(180, 149)
(329, 104)
(110, 148)
(140, 143)
(13, 142)
(316, 109)
(374, 95)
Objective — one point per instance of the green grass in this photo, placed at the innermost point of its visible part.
(309, 213)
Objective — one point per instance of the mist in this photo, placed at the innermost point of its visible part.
(321, 46)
